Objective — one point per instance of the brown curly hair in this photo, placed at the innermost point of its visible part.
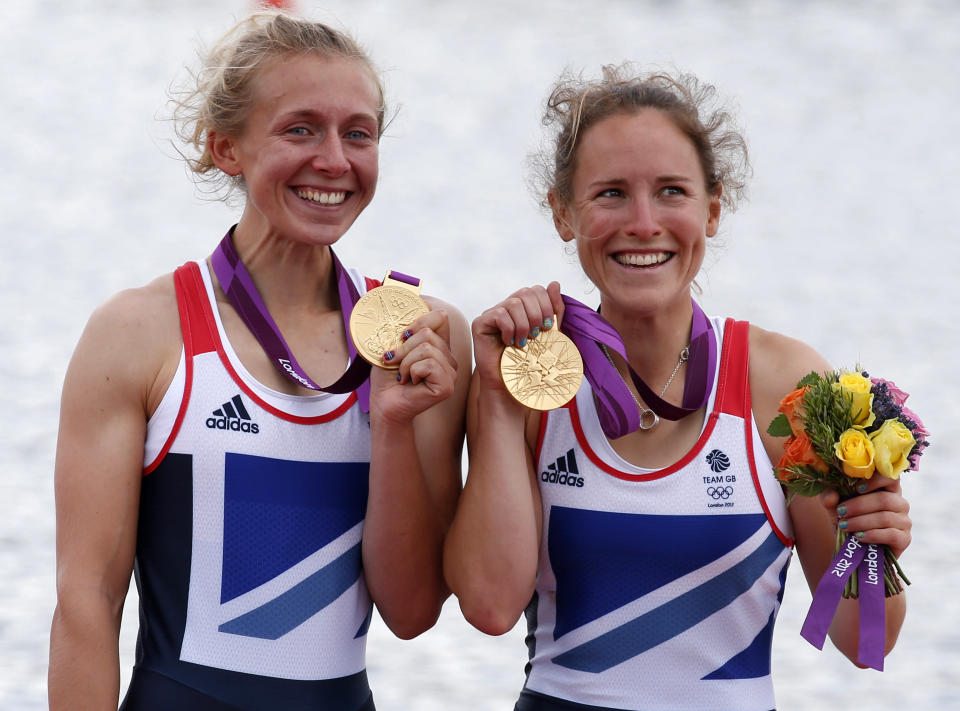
(576, 104)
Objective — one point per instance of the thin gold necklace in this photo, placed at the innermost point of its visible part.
(646, 411)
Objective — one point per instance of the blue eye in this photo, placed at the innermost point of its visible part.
(673, 190)
(357, 135)
(610, 192)
(299, 131)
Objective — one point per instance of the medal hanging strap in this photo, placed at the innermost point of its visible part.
(238, 285)
(405, 278)
(616, 409)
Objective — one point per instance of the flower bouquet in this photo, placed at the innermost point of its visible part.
(841, 428)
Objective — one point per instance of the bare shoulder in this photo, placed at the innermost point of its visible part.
(453, 313)
(777, 362)
(133, 338)
(459, 329)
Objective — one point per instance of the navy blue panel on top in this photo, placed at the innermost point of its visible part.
(672, 618)
(162, 569)
(604, 560)
(278, 512)
(754, 661)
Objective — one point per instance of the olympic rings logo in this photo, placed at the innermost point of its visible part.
(720, 492)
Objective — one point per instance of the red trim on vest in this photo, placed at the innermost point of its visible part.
(197, 293)
(191, 338)
(372, 283)
(740, 335)
(658, 474)
(734, 395)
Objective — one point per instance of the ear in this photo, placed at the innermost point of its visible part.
(561, 217)
(223, 152)
(713, 213)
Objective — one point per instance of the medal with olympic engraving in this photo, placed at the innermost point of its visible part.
(545, 373)
(380, 317)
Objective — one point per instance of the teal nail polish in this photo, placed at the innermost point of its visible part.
(843, 525)
(862, 487)
(399, 378)
(547, 323)
(842, 510)
(535, 332)
(511, 341)
(860, 535)
(523, 342)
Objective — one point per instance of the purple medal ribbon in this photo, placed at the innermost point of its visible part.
(868, 560)
(238, 285)
(616, 409)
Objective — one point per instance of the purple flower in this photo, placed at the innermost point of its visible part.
(898, 395)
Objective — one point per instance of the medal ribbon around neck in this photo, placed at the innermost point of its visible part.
(616, 408)
(238, 285)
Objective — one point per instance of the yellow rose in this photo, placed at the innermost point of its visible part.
(858, 387)
(892, 444)
(855, 451)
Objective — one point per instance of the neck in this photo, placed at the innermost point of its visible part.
(289, 275)
(653, 341)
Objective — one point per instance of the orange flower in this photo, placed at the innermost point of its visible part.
(789, 405)
(797, 451)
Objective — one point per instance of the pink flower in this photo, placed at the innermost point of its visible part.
(898, 395)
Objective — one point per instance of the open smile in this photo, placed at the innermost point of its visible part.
(322, 197)
(642, 260)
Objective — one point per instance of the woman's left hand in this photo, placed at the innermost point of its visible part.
(427, 373)
(880, 513)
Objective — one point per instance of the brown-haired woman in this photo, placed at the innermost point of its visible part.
(263, 519)
(649, 550)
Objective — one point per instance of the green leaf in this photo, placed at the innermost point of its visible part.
(808, 379)
(779, 427)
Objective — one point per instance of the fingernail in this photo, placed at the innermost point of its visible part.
(862, 487)
(843, 525)
(842, 510)
(523, 342)
(547, 323)
(406, 335)
(389, 355)
(535, 332)
(399, 378)
(861, 534)
(511, 341)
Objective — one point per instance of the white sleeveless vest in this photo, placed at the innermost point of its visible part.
(658, 590)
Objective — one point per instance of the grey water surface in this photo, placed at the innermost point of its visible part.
(850, 110)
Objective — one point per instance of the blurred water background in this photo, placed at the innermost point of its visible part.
(850, 111)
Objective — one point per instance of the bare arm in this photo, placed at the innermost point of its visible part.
(776, 364)
(417, 428)
(109, 384)
(493, 548)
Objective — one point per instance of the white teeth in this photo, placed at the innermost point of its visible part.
(321, 197)
(642, 260)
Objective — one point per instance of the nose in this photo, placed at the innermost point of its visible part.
(329, 157)
(643, 222)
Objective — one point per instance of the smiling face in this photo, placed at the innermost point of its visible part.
(639, 212)
(308, 152)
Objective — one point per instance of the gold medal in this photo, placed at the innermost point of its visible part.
(545, 374)
(380, 317)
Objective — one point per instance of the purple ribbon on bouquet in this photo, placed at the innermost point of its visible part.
(238, 285)
(868, 561)
(618, 413)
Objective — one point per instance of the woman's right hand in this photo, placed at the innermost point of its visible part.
(521, 316)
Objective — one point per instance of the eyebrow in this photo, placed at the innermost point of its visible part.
(659, 179)
(310, 114)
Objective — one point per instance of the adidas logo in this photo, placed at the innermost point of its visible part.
(564, 471)
(232, 415)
